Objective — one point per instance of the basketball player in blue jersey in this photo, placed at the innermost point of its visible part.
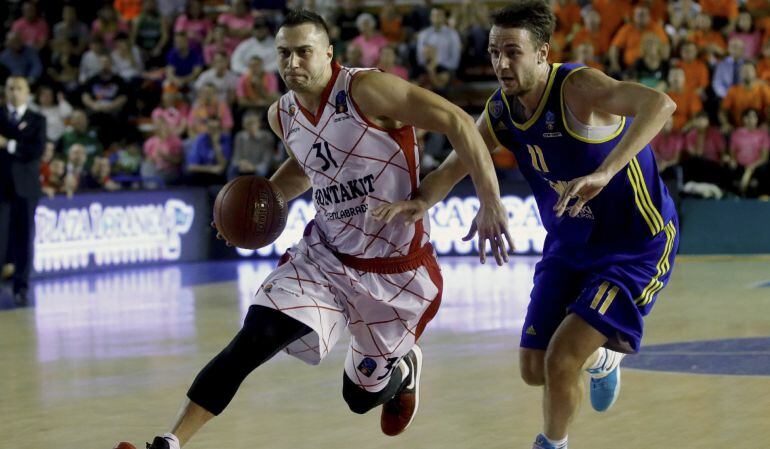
(581, 140)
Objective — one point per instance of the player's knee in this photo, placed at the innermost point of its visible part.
(531, 366)
(560, 364)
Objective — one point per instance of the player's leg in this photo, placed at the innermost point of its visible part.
(361, 400)
(265, 332)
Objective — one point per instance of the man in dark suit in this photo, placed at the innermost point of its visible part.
(22, 140)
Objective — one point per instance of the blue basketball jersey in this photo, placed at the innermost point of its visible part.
(634, 206)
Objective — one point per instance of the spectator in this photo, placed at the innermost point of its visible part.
(677, 29)
(260, 44)
(432, 75)
(194, 23)
(388, 63)
(89, 63)
(216, 42)
(127, 60)
(584, 54)
(184, 63)
(107, 24)
(472, 23)
(72, 29)
(172, 112)
(418, 18)
(128, 10)
(162, 157)
(63, 69)
(126, 159)
(206, 106)
(705, 147)
(689, 9)
(208, 158)
(76, 168)
(370, 41)
(444, 40)
(629, 40)
(391, 22)
(688, 103)
(105, 96)
(98, 177)
(710, 42)
(592, 32)
(751, 93)
(696, 72)
(749, 147)
(667, 147)
(724, 12)
(239, 23)
(19, 59)
(150, 34)
(568, 16)
(52, 181)
(55, 109)
(346, 20)
(45, 165)
(353, 56)
(727, 72)
(220, 76)
(613, 14)
(658, 9)
(752, 38)
(31, 27)
(256, 88)
(255, 149)
(81, 135)
(651, 70)
(170, 9)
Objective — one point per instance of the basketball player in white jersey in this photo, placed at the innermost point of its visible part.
(350, 136)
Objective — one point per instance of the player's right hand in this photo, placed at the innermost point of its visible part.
(411, 210)
(219, 234)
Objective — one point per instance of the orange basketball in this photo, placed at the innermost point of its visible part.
(124, 445)
(250, 212)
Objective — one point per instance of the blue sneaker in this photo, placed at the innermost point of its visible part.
(605, 383)
(542, 443)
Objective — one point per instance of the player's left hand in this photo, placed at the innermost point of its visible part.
(584, 189)
(491, 222)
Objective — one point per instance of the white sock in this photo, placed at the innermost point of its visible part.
(600, 359)
(557, 443)
(172, 439)
(607, 361)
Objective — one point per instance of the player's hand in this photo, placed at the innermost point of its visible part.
(584, 189)
(491, 222)
(219, 234)
(411, 210)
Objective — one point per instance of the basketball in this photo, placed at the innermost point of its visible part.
(124, 445)
(250, 212)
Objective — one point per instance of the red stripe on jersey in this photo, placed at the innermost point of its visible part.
(435, 275)
(315, 118)
(280, 125)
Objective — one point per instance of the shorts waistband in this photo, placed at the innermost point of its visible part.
(388, 265)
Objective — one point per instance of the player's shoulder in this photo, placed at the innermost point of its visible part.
(273, 117)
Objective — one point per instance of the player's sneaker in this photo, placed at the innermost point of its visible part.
(167, 441)
(605, 381)
(542, 443)
(400, 410)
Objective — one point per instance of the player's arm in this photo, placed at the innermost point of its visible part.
(592, 90)
(381, 95)
(289, 178)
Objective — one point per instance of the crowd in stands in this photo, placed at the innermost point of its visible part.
(151, 93)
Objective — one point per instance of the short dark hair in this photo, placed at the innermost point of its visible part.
(533, 15)
(299, 16)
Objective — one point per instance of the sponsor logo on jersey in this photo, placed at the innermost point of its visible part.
(367, 366)
(550, 124)
(496, 108)
(268, 288)
(344, 191)
(341, 102)
(292, 110)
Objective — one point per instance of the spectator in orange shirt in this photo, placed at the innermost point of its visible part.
(658, 9)
(763, 66)
(751, 93)
(591, 32)
(688, 103)
(568, 16)
(392, 22)
(709, 41)
(724, 12)
(696, 72)
(128, 10)
(614, 13)
(629, 39)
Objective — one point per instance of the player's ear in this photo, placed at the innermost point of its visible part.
(330, 52)
(542, 53)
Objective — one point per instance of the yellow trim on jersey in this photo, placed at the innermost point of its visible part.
(642, 197)
(540, 106)
(599, 294)
(610, 297)
(654, 286)
(489, 122)
(572, 133)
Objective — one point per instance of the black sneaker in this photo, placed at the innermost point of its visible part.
(163, 443)
(401, 409)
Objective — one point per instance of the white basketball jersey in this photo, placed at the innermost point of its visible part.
(354, 166)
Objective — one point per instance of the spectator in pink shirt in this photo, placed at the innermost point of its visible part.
(172, 112)
(751, 37)
(704, 151)
(369, 40)
(388, 63)
(32, 28)
(216, 42)
(208, 105)
(667, 146)
(163, 158)
(238, 23)
(256, 88)
(107, 24)
(749, 147)
(194, 22)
